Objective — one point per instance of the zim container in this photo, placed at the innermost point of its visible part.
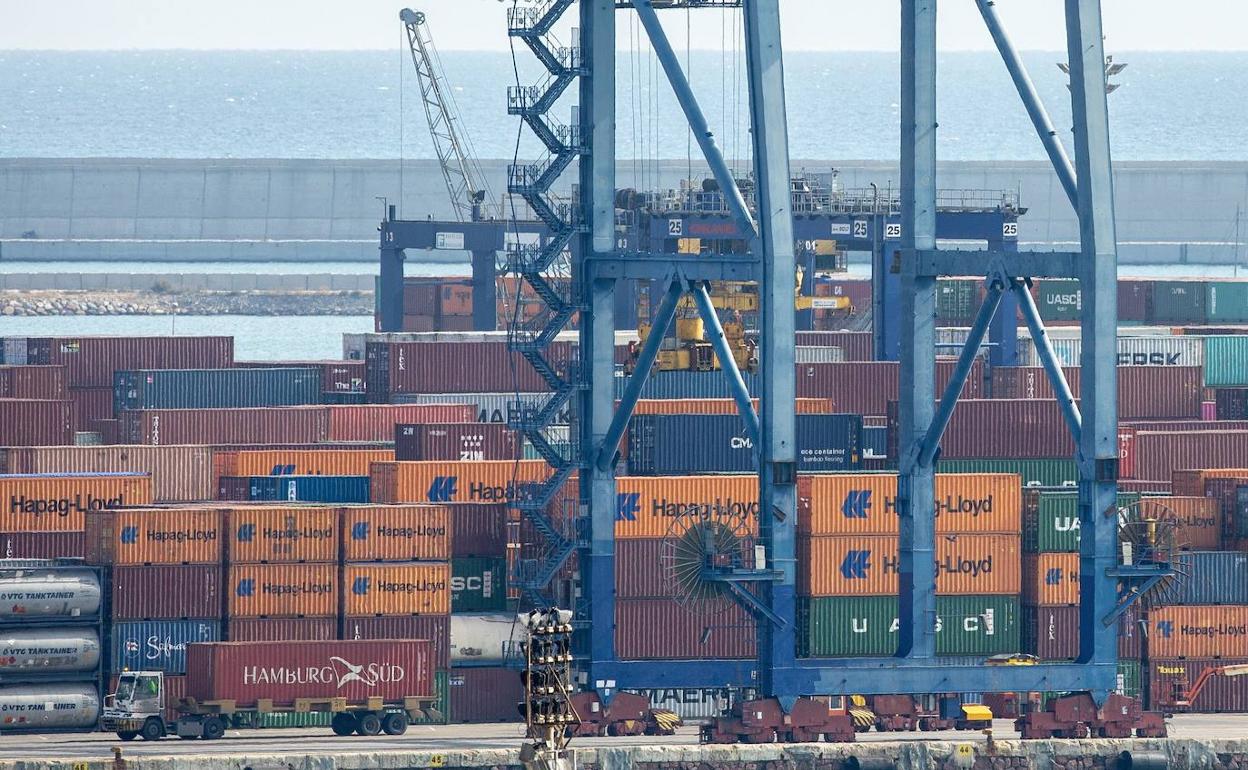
(281, 629)
(662, 629)
(155, 536)
(868, 565)
(159, 645)
(179, 473)
(406, 588)
(443, 482)
(865, 503)
(355, 671)
(646, 506)
(860, 626)
(215, 388)
(259, 534)
(396, 533)
(464, 441)
(167, 592)
(479, 584)
(60, 502)
(1051, 579)
(1199, 631)
(282, 590)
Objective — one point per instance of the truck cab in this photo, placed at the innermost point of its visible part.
(138, 706)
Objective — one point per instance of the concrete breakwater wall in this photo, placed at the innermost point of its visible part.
(323, 210)
(177, 282)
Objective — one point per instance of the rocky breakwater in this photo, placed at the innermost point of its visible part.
(111, 303)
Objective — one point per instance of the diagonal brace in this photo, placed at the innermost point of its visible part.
(1044, 349)
(715, 330)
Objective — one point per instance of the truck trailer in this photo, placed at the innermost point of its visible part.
(370, 687)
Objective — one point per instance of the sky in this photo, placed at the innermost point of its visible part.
(818, 25)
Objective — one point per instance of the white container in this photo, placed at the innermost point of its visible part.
(48, 707)
(482, 637)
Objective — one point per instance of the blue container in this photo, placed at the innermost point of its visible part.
(159, 645)
(683, 444)
(1210, 577)
(686, 384)
(215, 388)
(875, 442)
(308, 489)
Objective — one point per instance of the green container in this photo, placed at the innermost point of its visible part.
(1228, 301)
(957, 299)
(1060, 300)
(1128, 678)
(294, 719)
(1226, 361)
(1046, 473)
(855, 626)
(1179, 302)
(1052, 524)
(442, 701)
(479, 584)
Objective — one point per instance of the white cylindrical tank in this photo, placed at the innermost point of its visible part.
(481, 637)
(48, 706)
(46, 593)
(49, 650)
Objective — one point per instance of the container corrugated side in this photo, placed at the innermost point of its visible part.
(299, 462)
(410, 588)
(641, 571)
(46, 382)
(1191, 483)
(247, 672)
(396, 533)
(167, 592)
(154, 536)
(1199, 631)
(1221, 693)
(1210, 577)
(179, 473)
(868, 565)
(435, 628)
(860, 626)
(647, 505)
(91, 361)
(42, 545)
(1158, 454)
(1051, 633)
(721, 406)
(215, 388)
(479, 584)
(376, 422)
(60, 502)
(1226, 361)
(1227, 301)
(478, 529)
(159, 645)
(442, 482)
(662, 629)
(259, 534)
(291, 424)
(485, 694)
(306, 489)
(282, 590)
(1051, 578)
(660, 444)
(1051, 520)
(1198, 520)
(489, 407)
(865, 503)
(31, 422)
(281, 629)
(1050, 472)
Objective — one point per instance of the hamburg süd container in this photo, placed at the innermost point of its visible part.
(868, 565)
(259, 425)
(1051, 579)
(462, 441)
(865, 503)
(179, 473)
(662, 629)
(647, 506)
(49, 651)
(159, 645)
(258, 534)
(60, 502)
(42, 545)
(867, 625)
(405, 588)
(281, 629)
(435, 628)
(479, 584)
(282, 590)
(215, 388)
(167, 592)
(443, 482)
(36, 422)
(1199, 631)
(396, 533)
(50, 706)
(355, 671)
(154, 536)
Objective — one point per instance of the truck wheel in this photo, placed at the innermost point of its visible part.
(344, 723)
(153, 729)
(213, 729)
(127, 735)
(394, 723)
(370, 724)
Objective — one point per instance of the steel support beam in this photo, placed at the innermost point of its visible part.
(484, 291)
(1047, 264)
(777, 645)
(1098, 461)
(390, 289)
(916, 492)
(719, 341)
(1048, 359)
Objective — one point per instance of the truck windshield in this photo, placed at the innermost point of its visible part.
(125, 688)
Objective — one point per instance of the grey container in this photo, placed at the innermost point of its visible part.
(215, 388)
(1209, 577)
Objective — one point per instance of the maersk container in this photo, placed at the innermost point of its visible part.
(1056, 472)
(1210, 577)
(687, 384)
(48, 593)
(1226, 361)
(1227, 301)
(1153, 350)
(1051, 520)
(49, 706)
(159, 645)
(309, 489)
(687, 444)
(49, 651)
(215, 388)
(867, 626)
(479, 585)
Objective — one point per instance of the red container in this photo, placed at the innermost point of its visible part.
(281, 629)
(27, 422)
(1164, 426)
(1159, 454)
(867, 387)
(639, 572)
(1000, 428)
(247, 672)
(857, 346)
(464, 440)
(42, 545)
(435, 628)
(452, 367)
(1144, 392)
(91, 361)
(234, 488)
(478, 529)
(487, 694)
(1134, 300)
(91, 404)
(167, 592)
(286, 425)
(1052, 633)
(109, 430)
(661, 629)
(1220, 694)
(43, 382)
(377, 422)
(1145, 487)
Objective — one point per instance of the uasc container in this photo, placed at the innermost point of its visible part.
(868, 625)
(282, 590)
(60, 502)
(279, 535)
(156, 536)
(396, 533)
(411, 588)
(479, 584)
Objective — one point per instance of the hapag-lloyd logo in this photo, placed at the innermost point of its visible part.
(338, 671)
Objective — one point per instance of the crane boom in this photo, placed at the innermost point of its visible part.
(464, 181)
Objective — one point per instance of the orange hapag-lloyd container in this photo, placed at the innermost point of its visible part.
(278, 534)
(495, 481)
(409, 588)
(60, 502)
(299, 462)
(1191, 483)
(646, 506)
(1051, 579)
(1199, 631)
(857, 565)
(720, 406)
(396, 533)
(154, 536)
(865, 503)
(282, 590)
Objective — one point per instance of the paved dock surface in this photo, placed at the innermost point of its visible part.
(320, 741)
